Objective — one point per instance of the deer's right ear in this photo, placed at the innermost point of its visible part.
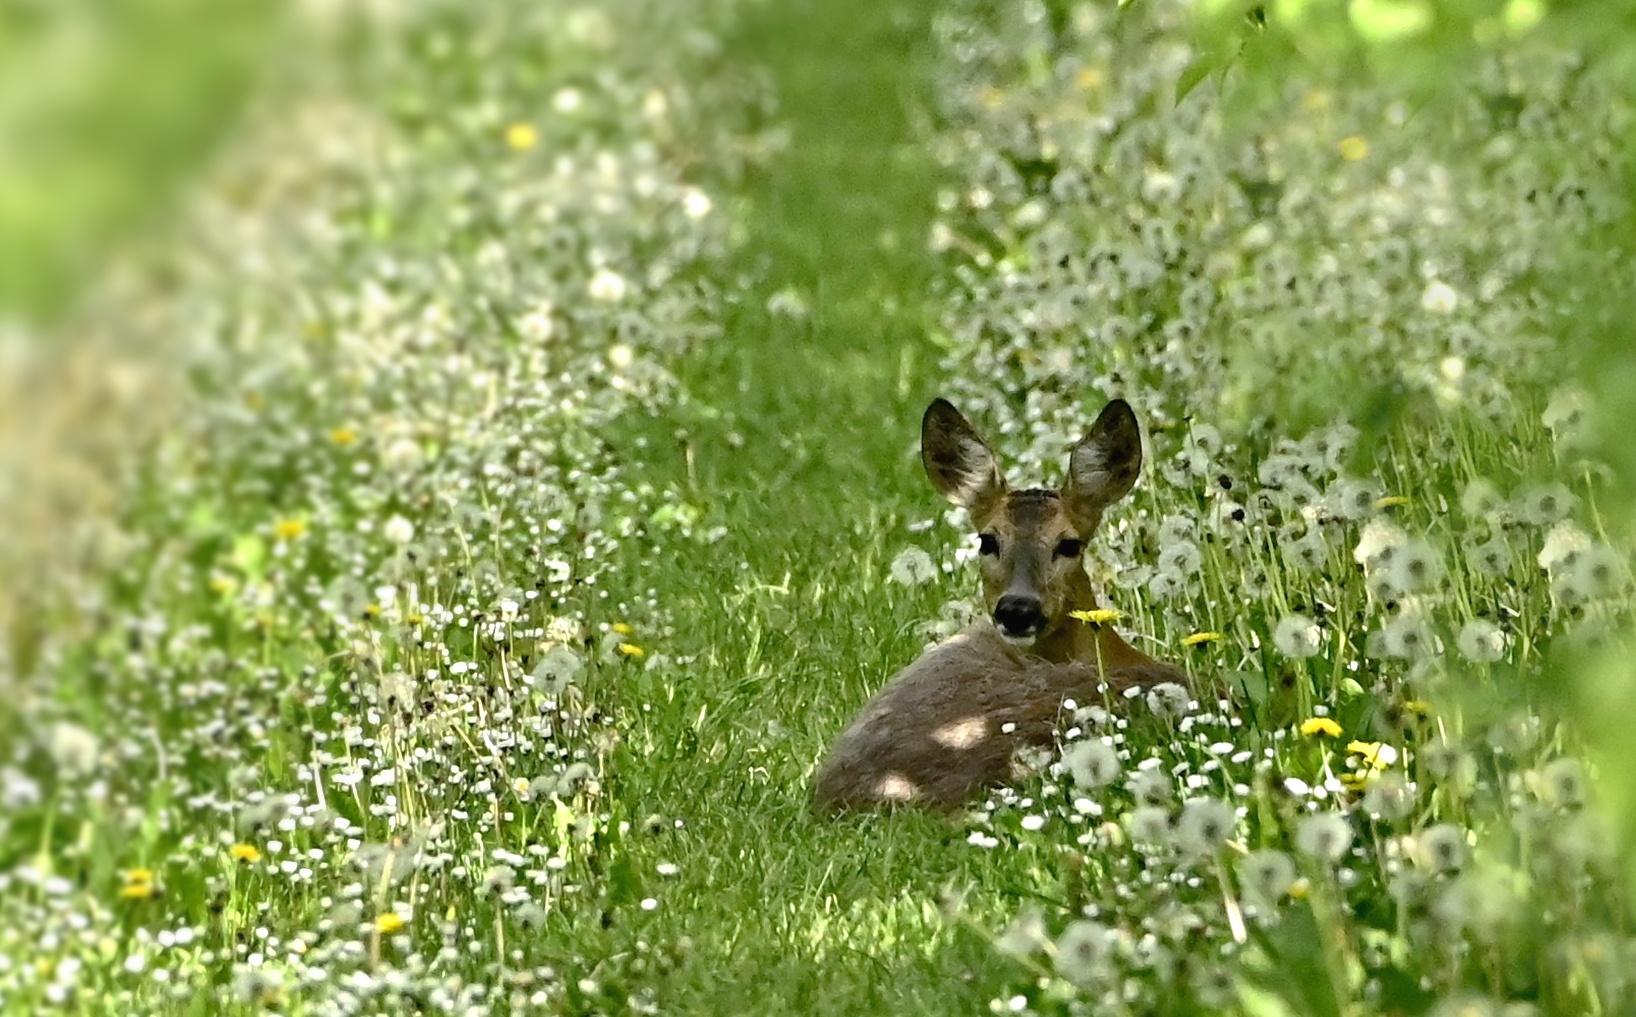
(959, 462)
(1102, 468)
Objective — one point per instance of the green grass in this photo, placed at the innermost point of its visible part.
(806, 459)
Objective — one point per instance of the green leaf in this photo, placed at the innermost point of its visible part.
(250, 556)
(624, 884)
(1294, 966)
(1253, 684)
(1197, 70)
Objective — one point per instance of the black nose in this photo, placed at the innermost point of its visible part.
(1018, 615)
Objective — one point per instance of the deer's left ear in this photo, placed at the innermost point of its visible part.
(959, 462)
(1104, 465)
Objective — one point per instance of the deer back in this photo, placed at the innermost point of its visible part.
(951, 724)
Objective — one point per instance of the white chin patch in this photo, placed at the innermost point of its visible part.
(1017, 640)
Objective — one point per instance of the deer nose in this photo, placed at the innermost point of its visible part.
(1018, 614)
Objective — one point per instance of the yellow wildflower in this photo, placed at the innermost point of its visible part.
(372, 611)
(1089, 77)
(1099, 616)
(245, 852)
(621, 628)
(1320, 726)
(1356, 781)
(289, 529)
(1353, 149)
(522, 137)
(1300, 888)
(1202, 637)
(138, 885)
(343, 436)
(1418, 707)
(1377, 754)
(631, 650)
(1391, 501)
(414, 618)
(388, 922)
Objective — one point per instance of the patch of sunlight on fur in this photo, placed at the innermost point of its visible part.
(961, 734)
(895, 787)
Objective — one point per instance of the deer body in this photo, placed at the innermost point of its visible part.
(950, 724)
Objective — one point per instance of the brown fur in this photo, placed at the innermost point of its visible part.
(949, 725)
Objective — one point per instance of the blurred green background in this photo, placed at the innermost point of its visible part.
(1427, 52)
(105, 107)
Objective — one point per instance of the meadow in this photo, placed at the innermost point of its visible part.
(516, 486)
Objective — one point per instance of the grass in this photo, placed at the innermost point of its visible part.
(805, 460)
(526, 533)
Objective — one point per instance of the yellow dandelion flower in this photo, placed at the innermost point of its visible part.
(245, 853)
(138, 891)
(1391, 501)
(1356, 781)
(1099, 616)
(621, 628)
(372, 611)
(343, 436)
(289, 529)
(1202, 637)
(1378, 755)
(1314, 726)
(1300, 888)
(1353, 149)
(388, 922)
(522, 137)
(1089, 77)
(632, 650)
(414, 618)
(139, 875)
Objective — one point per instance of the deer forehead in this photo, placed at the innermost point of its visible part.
(1036, 513)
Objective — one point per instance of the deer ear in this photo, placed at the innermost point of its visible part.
(959, 462)
(1102, 468)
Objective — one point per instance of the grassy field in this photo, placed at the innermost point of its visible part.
(539, 495)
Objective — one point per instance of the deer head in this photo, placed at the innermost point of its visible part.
(1030, 540)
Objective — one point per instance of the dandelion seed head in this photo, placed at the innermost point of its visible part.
(1297, 636)
(913, 567)
(1266, 875)
(1203, 825)
(1092, 763)
(1481, 641)
(1326, 836)
(1085, 952)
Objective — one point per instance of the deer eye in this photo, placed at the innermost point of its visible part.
(988, 543)
(1069, 548)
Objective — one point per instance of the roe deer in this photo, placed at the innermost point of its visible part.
(947, 726)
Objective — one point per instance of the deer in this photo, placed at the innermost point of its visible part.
(950, 725)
